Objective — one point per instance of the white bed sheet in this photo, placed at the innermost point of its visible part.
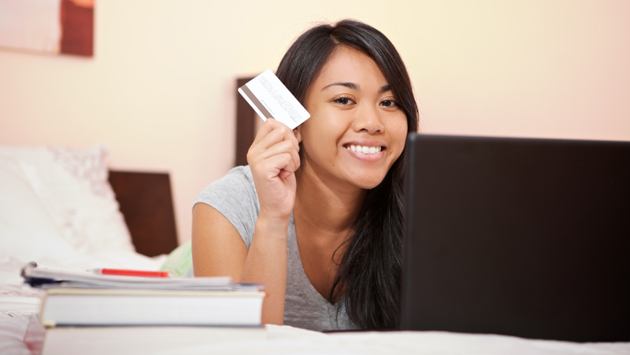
(20, 333)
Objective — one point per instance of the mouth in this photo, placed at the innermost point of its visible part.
(365, 149)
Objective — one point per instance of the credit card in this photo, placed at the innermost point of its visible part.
(271, 99)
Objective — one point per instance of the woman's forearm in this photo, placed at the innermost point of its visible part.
(267, 263)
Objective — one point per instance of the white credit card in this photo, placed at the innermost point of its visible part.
(271, 99)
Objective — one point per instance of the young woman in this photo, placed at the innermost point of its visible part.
(317, 214)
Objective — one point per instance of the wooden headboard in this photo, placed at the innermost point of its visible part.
(146, 203)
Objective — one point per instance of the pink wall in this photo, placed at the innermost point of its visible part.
(523, 68)
(160, 88)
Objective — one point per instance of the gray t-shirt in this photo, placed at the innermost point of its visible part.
(234, 196)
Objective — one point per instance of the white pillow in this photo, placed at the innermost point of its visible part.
(72, 186)
(26, 230)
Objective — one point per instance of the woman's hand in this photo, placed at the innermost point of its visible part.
(274, 158)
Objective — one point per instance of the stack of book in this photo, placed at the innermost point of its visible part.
(144, 306)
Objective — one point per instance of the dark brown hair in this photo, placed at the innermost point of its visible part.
(368, 280)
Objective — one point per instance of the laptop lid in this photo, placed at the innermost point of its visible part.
(524, 237)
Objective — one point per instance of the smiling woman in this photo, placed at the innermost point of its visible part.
(316, 216)
(359, 112)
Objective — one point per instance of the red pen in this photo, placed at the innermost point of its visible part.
(141, 273)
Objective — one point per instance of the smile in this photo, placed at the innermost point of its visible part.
(364, 149)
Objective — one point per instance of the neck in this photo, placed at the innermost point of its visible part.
(329, 208)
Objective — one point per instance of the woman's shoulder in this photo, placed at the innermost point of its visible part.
(234, 196)
(236, 184)
(241, 173)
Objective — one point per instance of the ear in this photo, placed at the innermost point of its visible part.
(297, 133)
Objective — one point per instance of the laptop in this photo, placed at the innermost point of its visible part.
(523, 237)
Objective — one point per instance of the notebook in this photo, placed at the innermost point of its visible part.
(524, 237)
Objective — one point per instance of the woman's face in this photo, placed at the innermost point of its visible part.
(356, 130)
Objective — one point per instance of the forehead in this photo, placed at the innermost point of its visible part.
(347, 64)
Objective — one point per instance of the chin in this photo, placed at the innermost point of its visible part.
(369, 182)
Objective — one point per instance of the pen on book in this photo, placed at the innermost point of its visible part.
(122, 272)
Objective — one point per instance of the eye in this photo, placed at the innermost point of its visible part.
(343, 100)
(389, 103)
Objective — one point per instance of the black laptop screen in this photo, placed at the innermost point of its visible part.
(525, 237)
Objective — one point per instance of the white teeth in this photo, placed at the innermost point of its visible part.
(364, 149)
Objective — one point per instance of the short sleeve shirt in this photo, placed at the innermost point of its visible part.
(234, 196)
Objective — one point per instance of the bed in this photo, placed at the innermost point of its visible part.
(58, 207)
(63, 207)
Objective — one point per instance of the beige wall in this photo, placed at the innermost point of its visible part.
(160, 90)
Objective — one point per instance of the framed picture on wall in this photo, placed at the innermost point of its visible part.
(48, 26)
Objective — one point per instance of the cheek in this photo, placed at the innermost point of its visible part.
(399, 133)
(315, 135)
(310, 130)
(326, 125)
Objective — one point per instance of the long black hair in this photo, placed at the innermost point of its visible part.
(369, 275)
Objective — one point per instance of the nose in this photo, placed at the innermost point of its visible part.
(368, 119)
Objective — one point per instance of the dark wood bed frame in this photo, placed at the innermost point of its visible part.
(146, 201)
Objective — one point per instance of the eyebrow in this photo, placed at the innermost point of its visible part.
(353, 86)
